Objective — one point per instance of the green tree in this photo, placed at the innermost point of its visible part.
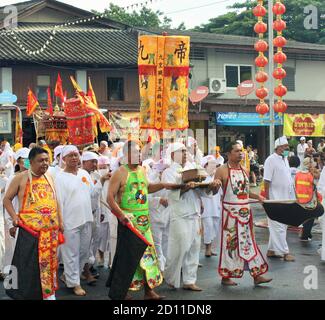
(144, 18)
(240, 21)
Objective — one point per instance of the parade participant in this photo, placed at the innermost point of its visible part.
(57, 153)
(6, 159)
(11, 231)
(310, 151)
(211, 217)
(40, 221)
(89, 162)
(301, 148)
(135, 264)
(245, 161)
(278, 186)
(195, 155)
(105, 242)
(104, 149)
(321, 146)
(305, 186)
(74, 188)
(43, 144)
(159, 215)
(184, 238)
(239, 250)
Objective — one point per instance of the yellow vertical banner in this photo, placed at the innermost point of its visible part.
(310, 125)
(163, 64)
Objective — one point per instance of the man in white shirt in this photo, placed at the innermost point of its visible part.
(278, 186)
(184, 239)
(301, 148)
(74, 188)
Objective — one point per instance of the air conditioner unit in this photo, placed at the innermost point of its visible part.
(217, 85)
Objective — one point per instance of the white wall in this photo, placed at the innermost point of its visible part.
(310, 75)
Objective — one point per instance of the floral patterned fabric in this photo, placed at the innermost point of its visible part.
(238, 246)
(39, 214)
(134, 203)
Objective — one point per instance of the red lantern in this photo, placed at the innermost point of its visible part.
(279, 73)
(260, 27)
(280, 90)
(279, 25)
(261, 76)
(280, 41)
(261, 61)
(279, 9)
(262, 93)
(259, 11)
(262, 108)
(280, 57)
(280, 107)
(261, 46)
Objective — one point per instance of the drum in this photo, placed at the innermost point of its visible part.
(292, 214)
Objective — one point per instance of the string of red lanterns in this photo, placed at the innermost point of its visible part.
(261, 61)
(280, 58)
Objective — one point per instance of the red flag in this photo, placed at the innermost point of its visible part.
(91, 93)
(59, 88)
(32, 103)
(49, 102)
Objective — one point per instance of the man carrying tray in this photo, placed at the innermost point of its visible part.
(184, 240)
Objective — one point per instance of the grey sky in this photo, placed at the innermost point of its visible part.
(177, 10)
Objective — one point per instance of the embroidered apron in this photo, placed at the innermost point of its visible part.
(238, 246)
(39, 217)
(134, 202)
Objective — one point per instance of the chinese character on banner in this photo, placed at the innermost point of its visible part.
(163, 74)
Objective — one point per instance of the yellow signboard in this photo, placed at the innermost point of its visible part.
(163, 65)
(310, 125)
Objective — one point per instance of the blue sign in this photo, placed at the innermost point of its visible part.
(246, 119)
(7, 98)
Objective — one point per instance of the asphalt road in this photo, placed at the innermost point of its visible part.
(288, 277)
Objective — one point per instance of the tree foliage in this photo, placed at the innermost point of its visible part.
(240, 21)
(144, 18)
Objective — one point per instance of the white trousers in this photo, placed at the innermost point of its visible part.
(160, 238)
(95, 241)
(183, 251)
(2, 239)
(10, 244)
(104, 237)
(75, 253)
(278, 237)
(211, 227)
(113, 223)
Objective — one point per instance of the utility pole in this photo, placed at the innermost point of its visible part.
(271, 80)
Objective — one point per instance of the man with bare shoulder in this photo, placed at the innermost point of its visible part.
(239, 251)
(39, 221)
(135, 265)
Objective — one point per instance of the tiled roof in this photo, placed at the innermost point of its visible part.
(85, 45)
(226, 39)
